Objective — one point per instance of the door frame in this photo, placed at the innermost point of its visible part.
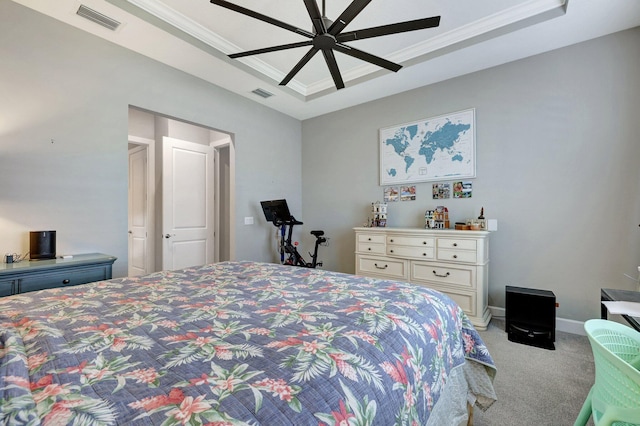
(225, 143)
(147, 122)
(151, 200)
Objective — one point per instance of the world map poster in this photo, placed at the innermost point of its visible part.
(438, 148)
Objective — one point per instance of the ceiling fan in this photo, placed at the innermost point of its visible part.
(327, 36)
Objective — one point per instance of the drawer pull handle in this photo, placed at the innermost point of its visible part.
(424, 242)
(66, 281)
(424, 254)
(381, 267)
(455, 244)
(391, 240)
(369, 248)
(390, 251)
(455, 256)
(440, 275)
(369, 239)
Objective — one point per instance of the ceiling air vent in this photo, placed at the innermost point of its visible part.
(98, 17)
(263, 93)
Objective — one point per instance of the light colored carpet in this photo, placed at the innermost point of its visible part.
(537, 386)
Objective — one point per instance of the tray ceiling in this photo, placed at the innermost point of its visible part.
(196, 36)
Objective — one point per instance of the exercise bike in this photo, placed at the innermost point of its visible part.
(277, 212)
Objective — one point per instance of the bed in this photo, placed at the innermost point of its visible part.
(237, 343)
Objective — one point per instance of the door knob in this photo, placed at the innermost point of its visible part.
(167, 236)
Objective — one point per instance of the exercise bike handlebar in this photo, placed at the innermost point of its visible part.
(291, 221)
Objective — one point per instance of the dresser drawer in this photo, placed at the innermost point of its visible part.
(468, 256)
(62, 279)
(412, 252)
(411, 241)
(367, 247)
(371, 238)
(455, 243)
(7, 287)
(382, 266)
(450, 275)
(453, 262)
(466, 300)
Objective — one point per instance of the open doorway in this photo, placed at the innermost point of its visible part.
(154, 243)
(140, 214)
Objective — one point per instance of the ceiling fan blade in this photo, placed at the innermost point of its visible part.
(347, 16)
(316, 17)
(330, 59)
(401, 27)
(306, 58)
(261, 17)
(270, 49)
(376, 60)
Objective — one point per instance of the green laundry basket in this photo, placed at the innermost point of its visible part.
(614, 398)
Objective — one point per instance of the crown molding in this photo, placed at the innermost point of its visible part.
(211, 38)
(457, 37)
(478, 28)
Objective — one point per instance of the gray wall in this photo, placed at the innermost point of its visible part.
(57, 82)
(557, 165)
(557, 154)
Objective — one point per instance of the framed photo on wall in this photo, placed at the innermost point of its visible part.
(437, 148)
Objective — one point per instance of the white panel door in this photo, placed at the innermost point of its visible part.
(187, 204)
(138, 217)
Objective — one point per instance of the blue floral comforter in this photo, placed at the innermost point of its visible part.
(231, 343)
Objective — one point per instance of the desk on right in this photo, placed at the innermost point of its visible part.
(614, 295)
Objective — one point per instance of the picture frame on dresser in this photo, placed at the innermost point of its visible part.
(451, 261)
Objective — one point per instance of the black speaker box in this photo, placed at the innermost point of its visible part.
(42, 245)
(531, 316)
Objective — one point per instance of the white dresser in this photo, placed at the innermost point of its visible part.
(453, 262)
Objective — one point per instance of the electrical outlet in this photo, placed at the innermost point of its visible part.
(248, 220)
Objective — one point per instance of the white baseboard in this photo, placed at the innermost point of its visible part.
(562, 324)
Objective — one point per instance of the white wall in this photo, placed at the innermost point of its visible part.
(57, 82)
(557, 165)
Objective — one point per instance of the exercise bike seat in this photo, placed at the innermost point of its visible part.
(317, 233)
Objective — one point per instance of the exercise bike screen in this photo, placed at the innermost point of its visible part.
(275, 209)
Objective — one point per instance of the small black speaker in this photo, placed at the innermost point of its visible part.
(531, 316)
(42, 245)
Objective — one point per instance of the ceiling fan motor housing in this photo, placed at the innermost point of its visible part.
(327, 22)
(324, 41)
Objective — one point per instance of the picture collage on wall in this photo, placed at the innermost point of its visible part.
(399, 193)
(440, 191)
(461, 189)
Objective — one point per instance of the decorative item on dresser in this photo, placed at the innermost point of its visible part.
(453, 262)
(35, 275)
